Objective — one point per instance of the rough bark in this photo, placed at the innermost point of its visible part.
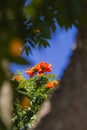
(69, 103)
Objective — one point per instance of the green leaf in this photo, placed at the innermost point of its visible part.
(44, 43)
(31, 43)
(39, 45)
(53, 27)
(46, 34)
(28, 50)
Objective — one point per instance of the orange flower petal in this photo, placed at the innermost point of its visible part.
(25, 102)
(50, 84)
(16, 77)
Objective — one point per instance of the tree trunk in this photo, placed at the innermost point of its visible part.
(69, 103)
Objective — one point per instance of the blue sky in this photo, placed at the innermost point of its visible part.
(58, 54)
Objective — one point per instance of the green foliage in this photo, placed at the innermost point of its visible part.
(32, 24)
(30, 94)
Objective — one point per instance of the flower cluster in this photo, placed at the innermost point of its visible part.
(39, 69)
(31, 93)
(51, 84)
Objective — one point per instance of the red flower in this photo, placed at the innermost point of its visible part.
(38, 68)
(30, 72)
(45, 67)
(42, 64)
(48, 67)
(16, 78)
(50, 84)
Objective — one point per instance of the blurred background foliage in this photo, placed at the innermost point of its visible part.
(32, 22)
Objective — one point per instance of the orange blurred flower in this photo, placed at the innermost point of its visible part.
(16, 78)
(48, 67)
(25, 102)
(51, 84)
(30, 72)
(36, 30)
(43, 67)
(38, 68)
(14, 47)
